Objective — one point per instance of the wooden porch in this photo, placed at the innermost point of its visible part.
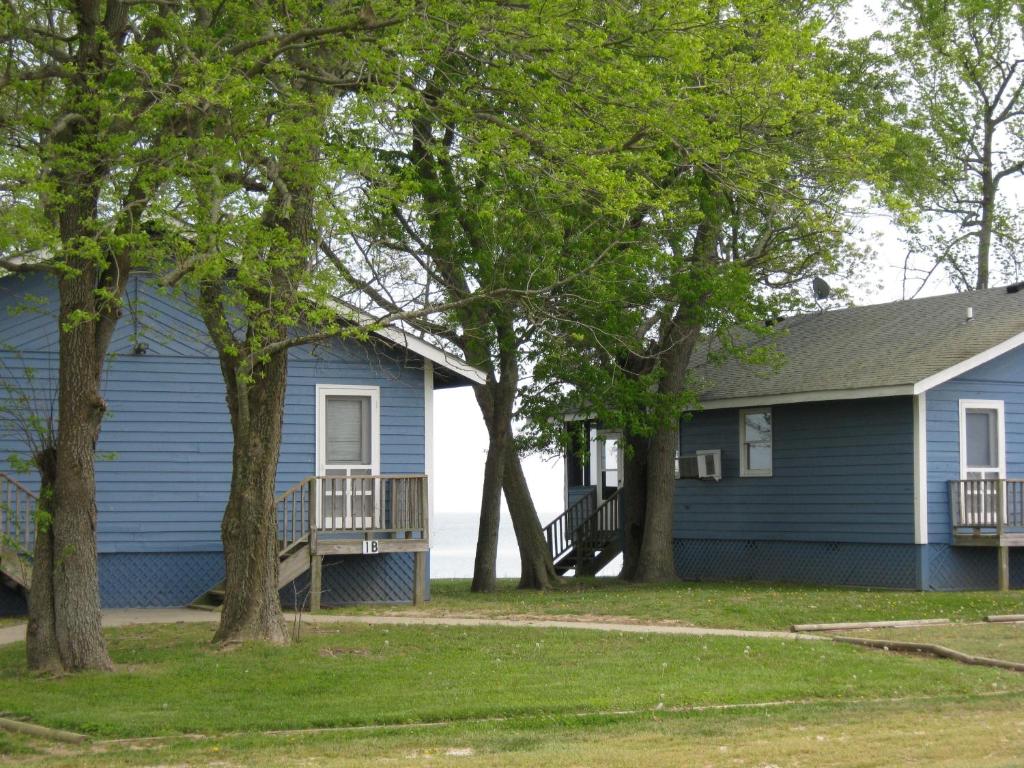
(316, 518)
(587, 536)
(17, 531)
(989, 513)
(346, 515)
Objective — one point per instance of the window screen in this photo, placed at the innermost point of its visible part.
(981, 448)
(347, 428)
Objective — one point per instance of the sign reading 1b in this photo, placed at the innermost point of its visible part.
(371, 547)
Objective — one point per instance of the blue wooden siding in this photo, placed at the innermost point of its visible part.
(842, 472)
(167, 432)
(1000, 379)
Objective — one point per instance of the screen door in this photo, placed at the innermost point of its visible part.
(347, 466)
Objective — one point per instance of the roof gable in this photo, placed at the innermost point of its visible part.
(904, 347)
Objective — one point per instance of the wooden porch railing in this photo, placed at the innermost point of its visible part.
(17, 514)
(560, 533)
(584, 528)
(987, 506)
(377, 504)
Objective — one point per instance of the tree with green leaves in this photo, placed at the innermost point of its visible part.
(506, 156)
(749, 199)
(963, 65)
(268, 149)
(83, 90)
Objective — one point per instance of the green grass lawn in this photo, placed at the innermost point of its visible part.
(954, 732)
(746, 606)
(500, 696)
(995, 641)
(7, 621)
(171, 680)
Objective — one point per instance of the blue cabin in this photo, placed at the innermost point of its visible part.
(355, 505)
(887, 450)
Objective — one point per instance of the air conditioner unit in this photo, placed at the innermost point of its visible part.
(686, 467)
(709, 464)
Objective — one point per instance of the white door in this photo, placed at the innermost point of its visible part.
(609, 464)
(982, 457)
(348, 457)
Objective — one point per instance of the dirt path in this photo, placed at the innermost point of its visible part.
(126, 617)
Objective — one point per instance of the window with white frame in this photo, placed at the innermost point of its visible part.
(982, 440)
(756, 442)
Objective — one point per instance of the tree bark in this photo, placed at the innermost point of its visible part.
(988, 204)
(655, 562)
(42, 652)
(252, 606)
(81, 407)
(492, 399)
(634, 503)
(537, 569)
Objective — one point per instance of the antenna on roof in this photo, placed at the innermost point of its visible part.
(822, 290)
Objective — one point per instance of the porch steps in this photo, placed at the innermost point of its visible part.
(292, 561)
(17, 533)
(596, 556)
(586, 537)
(16, 567)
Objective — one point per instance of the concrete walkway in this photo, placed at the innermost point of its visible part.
(126, 617)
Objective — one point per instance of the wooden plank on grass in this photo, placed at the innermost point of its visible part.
(867, 625)
(936, 650)
(41, 731)
(1006, 617)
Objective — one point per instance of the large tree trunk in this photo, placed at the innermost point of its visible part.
(634, 503)
(252, 606)
(493, 399)
(655, 563)
(41, 649)
(76, 594)
(537, 568)
(485, 562)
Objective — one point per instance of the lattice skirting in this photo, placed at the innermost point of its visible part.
(894, 566)
(961, 568)
(142, 580)
(359, 579)
(168, 579)
(157, 579)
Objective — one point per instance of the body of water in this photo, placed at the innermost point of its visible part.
(453, 547)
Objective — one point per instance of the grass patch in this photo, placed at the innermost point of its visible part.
(18, 744)
(170, 680)
(10, 621)
(949, 733)
(744, 606)
(994, 641)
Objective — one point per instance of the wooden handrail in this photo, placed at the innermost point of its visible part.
(364, 504)
(559, 532)
(17, 514)
(993, 504)
(582, 526)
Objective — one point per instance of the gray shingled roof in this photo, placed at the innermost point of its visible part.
(881, 345)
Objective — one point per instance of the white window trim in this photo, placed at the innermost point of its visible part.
(744, 470)
(986, 405)
(323, 391)
(921, 469)
(428, 438)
